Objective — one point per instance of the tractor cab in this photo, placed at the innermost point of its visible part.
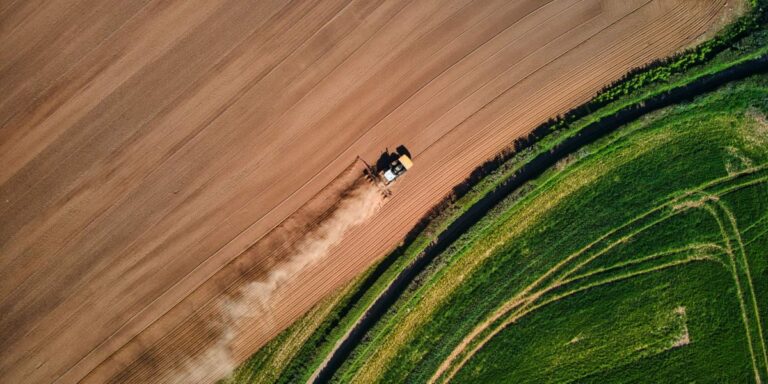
(397, 168)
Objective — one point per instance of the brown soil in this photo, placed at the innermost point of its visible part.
(147, 146)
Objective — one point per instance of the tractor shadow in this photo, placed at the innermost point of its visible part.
(386, 158)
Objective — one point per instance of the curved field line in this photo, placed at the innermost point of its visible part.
(745, 264)
(641, 260)
(739, 290)
(523, 299)
(754, 224)
(528, 294)
(756, 237)
(529, 307)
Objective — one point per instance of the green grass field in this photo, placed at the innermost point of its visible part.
(643, 258)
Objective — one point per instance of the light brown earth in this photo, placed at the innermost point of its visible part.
(146, 146)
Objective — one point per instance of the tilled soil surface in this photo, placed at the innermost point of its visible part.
(147, 147)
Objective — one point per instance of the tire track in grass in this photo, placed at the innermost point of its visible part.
(739, 289)
(743, 267)
(654, 256)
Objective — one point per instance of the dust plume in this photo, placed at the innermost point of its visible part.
(253, 300)
(355, 208)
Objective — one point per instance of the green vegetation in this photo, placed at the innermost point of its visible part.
(298, 351)
(664, 70)
(647, 250)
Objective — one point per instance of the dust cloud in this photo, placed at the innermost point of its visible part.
(253, 300)
(354, 209)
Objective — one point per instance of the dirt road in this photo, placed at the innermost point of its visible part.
(147, 146)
